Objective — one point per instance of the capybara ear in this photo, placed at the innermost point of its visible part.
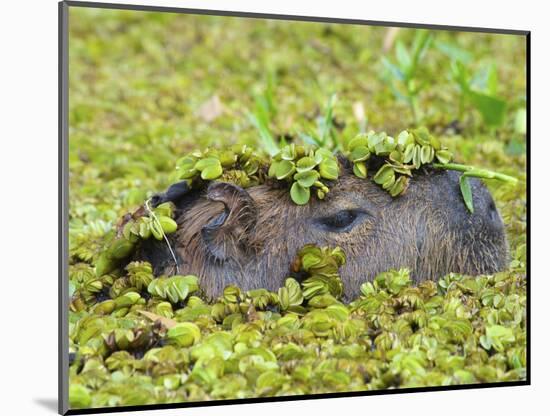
(228, 234)
(172, 194)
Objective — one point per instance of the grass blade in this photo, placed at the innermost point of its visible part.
(266, 139)
(466, 190)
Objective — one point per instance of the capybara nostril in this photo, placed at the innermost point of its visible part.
(487, 210)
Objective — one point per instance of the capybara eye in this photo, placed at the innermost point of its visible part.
(341, 221)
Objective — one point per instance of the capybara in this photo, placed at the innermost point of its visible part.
(248, 237)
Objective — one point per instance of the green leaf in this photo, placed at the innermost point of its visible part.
(210, 168)
(492, 109)
(144, 230)
(485, 342)
(164, 209)
(299, 194)
(408, 154)
(416, 160)
(399, 186)
(425, 154)
(266, 137)
(284, 169)
(321, 194)
(212, 172)
(389, 182)
(444, 156)
(403, 58)
(422, 136)
(184, 334)
(310, 260)
(466, 190)
(435, 143)
(492, 80)
(187, 173)
(104, 265)
(359, 154)
(374, 138)
(156, 230)
(227, 158)
(207, 162)
(359, 140)
(310, 139)
(186, 162)
(485, 80)
(384, 174)
(306, 163)
(422, 41)
(289, 152)
(79, 396)
(329, 169)
(251, 167)
(168, 224)
(396, 156)
(460, 75)
(325, 154)
(404, 138)
(385, 146)
(360, 169)
(306, 179)
(394, 70)
(120, 248)
(397, 280)
(326, 124)
(454, 52)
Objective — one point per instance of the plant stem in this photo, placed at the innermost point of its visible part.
(476, 172)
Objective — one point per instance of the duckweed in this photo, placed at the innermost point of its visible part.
(301, 339)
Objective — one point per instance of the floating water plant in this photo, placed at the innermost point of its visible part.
(309, 169)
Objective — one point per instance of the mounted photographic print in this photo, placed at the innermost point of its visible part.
(265, 207)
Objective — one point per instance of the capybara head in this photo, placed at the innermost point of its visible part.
(248, 237)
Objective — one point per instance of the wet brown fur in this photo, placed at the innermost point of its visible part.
(257, 232)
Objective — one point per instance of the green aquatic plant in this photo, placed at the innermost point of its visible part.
(239, 164)
(460, 330)
(290, 295)
(480, 91)
(320, 264)
(404, 74)
(174, 288)
(242, 344)
(141, 225)
(309, 169)
(264, 111)
(324, 136)
(183, 334)
(411, 150)
(306, 168)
